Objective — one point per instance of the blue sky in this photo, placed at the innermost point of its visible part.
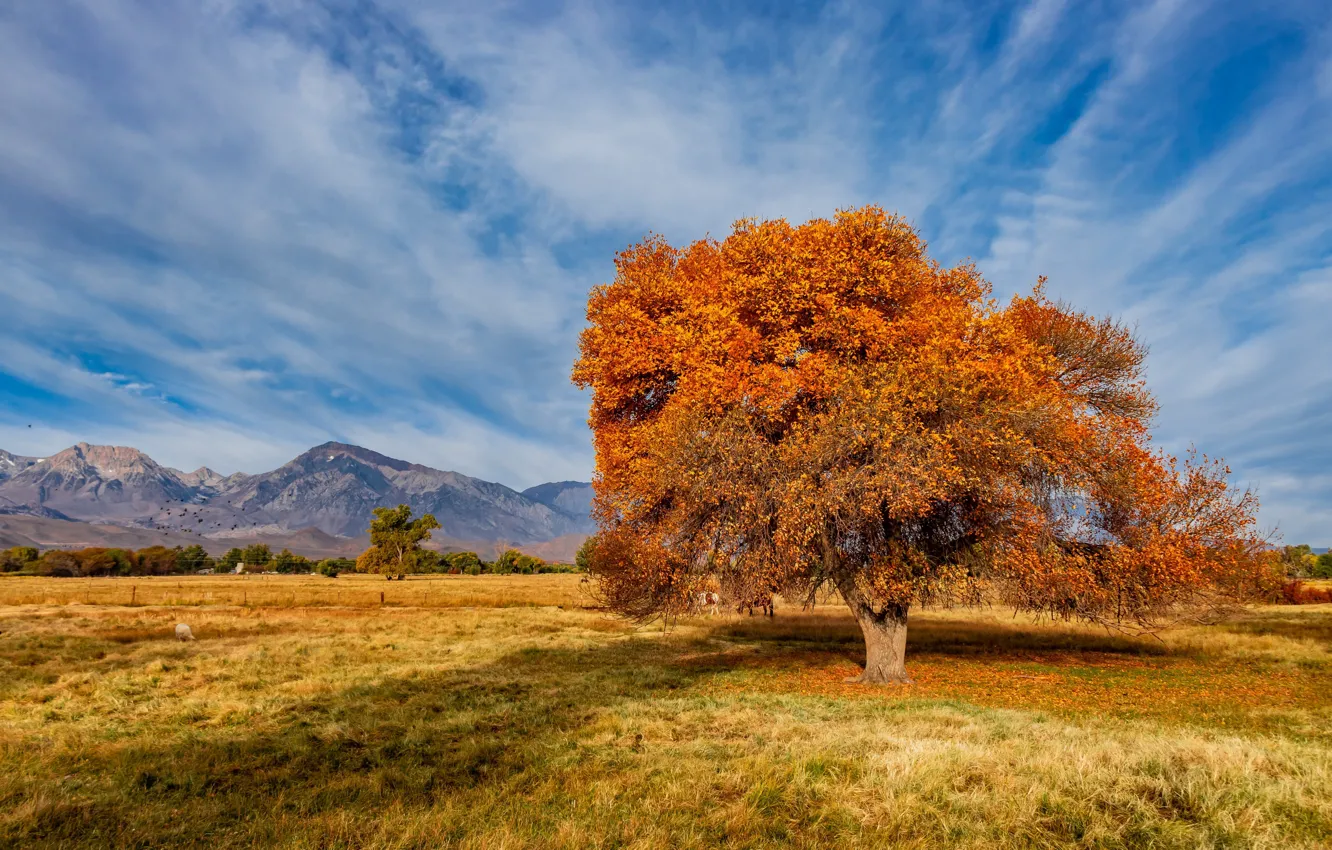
(231, 230)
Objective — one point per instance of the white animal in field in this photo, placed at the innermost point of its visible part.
(183, 632)
(706, 600)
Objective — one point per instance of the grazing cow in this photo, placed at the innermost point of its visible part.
(183, 632)
(705, 599)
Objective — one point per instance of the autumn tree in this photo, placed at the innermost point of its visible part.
(823, 406)
(156, 561)
(395, 541)
(99, 561)
(58, 563)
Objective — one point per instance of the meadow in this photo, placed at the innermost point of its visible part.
(507, 712)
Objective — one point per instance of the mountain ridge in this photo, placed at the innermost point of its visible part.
(12, 464)
(332, 487)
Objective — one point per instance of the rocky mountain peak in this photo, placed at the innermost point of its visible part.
(12, 464)
(108, 462)
(332, 452)
(571, 497)
(203, 477)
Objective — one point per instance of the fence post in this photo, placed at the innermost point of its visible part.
(134, 590)
(381, 597)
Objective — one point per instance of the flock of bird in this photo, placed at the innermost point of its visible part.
(185, 511)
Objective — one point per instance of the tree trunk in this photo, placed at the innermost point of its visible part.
(885, 647)
(885, 629)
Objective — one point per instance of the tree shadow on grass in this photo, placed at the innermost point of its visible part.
(824, 632)
(519, 741)
(1296, 622)
(403, 743)
(35, 659)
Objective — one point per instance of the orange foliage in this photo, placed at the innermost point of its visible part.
(796, 407)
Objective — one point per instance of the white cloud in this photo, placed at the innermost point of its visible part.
(257, 231)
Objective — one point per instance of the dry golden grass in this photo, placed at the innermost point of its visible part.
(349, 590)
(471, 717)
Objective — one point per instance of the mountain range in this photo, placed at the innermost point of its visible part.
(330, 490)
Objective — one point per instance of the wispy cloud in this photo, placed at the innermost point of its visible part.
(234, 229)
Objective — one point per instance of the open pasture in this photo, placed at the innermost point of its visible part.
(504, 711)
(267, 590)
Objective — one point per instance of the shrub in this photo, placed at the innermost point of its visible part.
(59, 564)
(17, 558)
(1300, 593)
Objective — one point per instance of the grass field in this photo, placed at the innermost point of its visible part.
(504, 712)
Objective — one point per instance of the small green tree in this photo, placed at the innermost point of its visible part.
(583, 559)
(191, 559)
(531, 565)
(467, 563)
(257, 555)
(1299, 561)
(395, 541)
(507, 562)
(429, 561)
(288, 563)
(229, 561)
(1323, 566)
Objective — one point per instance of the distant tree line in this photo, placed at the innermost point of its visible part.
(259, 558)
(395, 550)
(100, 561)
(509, 562)
(160, 561)
(1301, 562)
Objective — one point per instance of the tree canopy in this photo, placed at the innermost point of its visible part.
(395, 541)
(824, 406)
(257, 555)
